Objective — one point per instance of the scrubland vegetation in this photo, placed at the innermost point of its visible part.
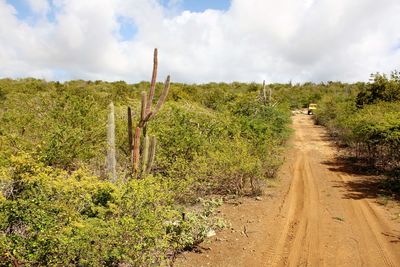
(367, 122)
(58, 203)
(59, 206)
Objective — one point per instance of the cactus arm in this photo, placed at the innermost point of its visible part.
(136, 151)
(143, 107)
(153, 81)
(163, 96)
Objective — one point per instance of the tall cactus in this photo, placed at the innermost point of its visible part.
(136, 151)
(111, 160)
(130, 135)
(263, 94)
(145, 153)
(147, 114)
(270, 96)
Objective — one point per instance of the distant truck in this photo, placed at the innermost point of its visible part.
(311, 108)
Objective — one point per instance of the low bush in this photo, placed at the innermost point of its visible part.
(51, 217)
(367, 123)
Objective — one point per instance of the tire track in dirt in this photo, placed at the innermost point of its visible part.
(371, 228)
(315, 217)
(300, 245)
(292, 211)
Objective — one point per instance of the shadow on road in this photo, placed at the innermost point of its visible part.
(365, 182)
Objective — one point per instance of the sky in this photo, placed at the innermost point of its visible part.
(199, 41)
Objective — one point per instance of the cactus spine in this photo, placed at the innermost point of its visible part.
(111, 160)
(145, 115)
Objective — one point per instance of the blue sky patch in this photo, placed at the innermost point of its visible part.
(24, 12)
(200, 5)
(127, 28)
(51, 15)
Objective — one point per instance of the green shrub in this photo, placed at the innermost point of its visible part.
(368, 123)
(51, 217)
(381, 89)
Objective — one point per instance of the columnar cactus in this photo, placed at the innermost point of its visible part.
(136, 152)
(145, 153)
(263, 94)
(111, 160)
(270, 96)
(130, 134)
(147, 114)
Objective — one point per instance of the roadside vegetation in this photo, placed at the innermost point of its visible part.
(367, 122)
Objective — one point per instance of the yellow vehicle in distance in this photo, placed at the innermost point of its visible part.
(311, 108)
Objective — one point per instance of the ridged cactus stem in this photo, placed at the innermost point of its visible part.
(143, 107)
(163, 96)
(152, 153)
(130, 135)
(111, 160)
(136, 151)
(264, 94)
(270, 95)
(145, 154)
(153, 81)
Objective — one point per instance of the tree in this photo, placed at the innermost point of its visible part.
(381, 89)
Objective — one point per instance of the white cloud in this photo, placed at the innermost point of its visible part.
(253, 40)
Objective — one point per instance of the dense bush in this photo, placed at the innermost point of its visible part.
(368, 123)
(381, 89)
(57, 206)
(51, 217)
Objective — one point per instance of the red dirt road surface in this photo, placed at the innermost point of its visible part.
(318, 215)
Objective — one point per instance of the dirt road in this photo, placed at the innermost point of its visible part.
(318, 214)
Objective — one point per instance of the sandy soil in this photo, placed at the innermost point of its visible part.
(318, 214)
